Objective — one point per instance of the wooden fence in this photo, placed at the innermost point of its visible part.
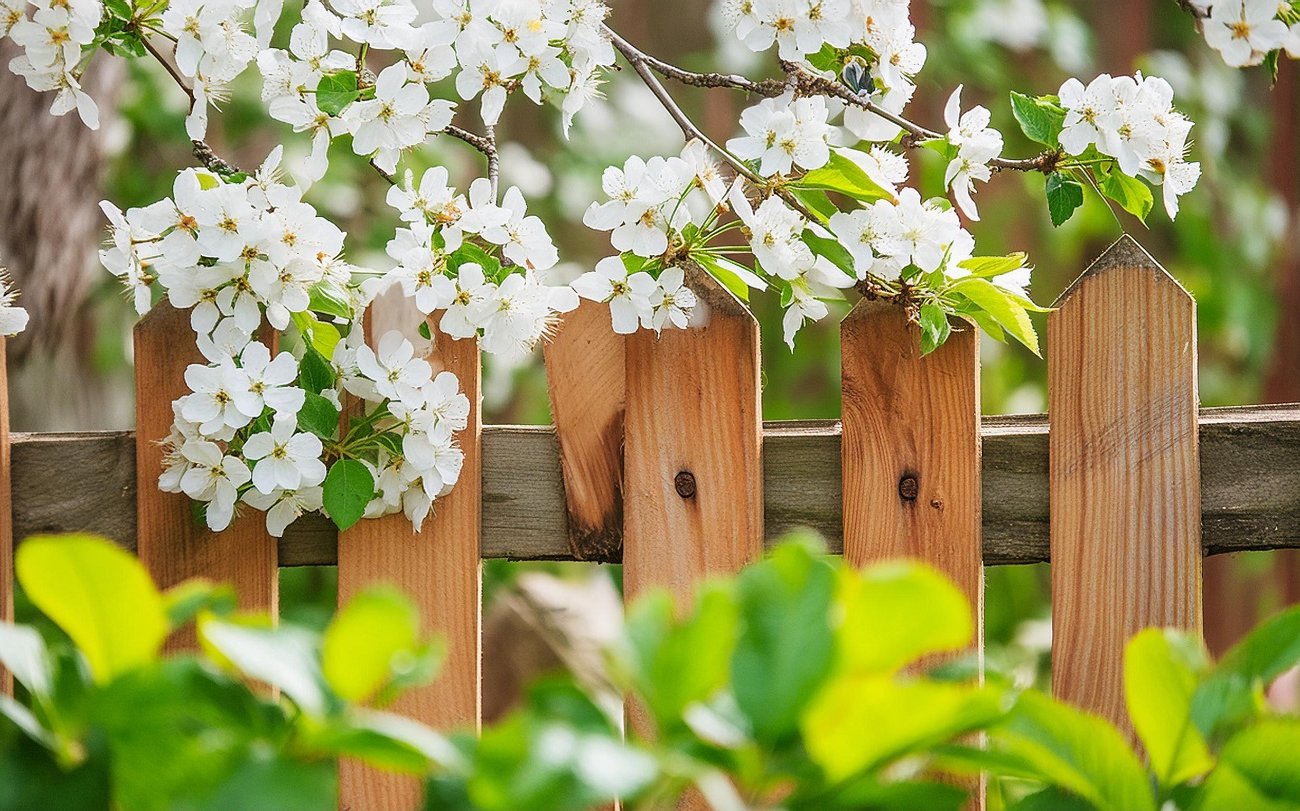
(659, 459)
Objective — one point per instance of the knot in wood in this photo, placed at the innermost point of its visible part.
(685, 484)
(908, 488)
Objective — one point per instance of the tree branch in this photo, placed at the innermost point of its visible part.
(640, 64)
(203, 153)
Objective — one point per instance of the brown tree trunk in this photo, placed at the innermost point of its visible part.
(50, 226)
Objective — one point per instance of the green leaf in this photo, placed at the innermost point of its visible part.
(785, 645)
(23, 654)
(319, 416)
(1131, 194)
(283, 657)
(1230, 693)
(894, 613)
(187, 600)
(336, 91)
(863, 722)
(1002, 307)
(348, 488)
(1161, 669)
(987, 267)
(423, 329)
(817, 202)
(315, 373)
(272, 781)
(1064, 195)
(99, 595)
(1039, 119)
(1074, 751)
(675, 664)
(841, 174)
(330, 299)
(1257, 769)
(734, 276)
(935, 327)
(831, 250)
(372, 640)
(469, 253)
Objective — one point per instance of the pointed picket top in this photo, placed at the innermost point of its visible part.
(1124, 253)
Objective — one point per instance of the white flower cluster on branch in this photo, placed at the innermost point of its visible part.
(1247, 32)
(808, 199)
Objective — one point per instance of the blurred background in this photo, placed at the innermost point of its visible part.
(1234, 247)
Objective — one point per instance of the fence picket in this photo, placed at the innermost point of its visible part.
(6, 515)
(170, 543)
(911, 446)
(693, 476)
(1125, 478)
(911, 454)
(439, 569)
(584, 374)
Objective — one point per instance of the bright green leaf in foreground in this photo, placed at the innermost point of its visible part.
(1160, 675)
(99, 595)
(372, 640)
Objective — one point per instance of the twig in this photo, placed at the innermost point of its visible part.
(801, 79)
(203, 153)
(1190, 8)
(487, 144)
(639, 63)
(809, 82)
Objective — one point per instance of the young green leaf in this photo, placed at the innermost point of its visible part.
(348, 488)
(786, 645)
(935, 328)
(315, 373)
(371, 640)
(842, 175)
(831, 250)
(1040, 120)
(1002, 306)
(734, 276)
(336, 91)
(1161, 670)
(1064, 195)
(330, 299)
(319, 416)
(99, 595)
(1131, 194)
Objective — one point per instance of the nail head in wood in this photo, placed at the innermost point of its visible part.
(685, 484)
(908, 487)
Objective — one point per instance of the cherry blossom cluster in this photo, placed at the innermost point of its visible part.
(253, 432)
(55, 40)
(1245, 32)
(658, 211)
(448, 263)
(1131, 119)
(263, 429)
(877, 34)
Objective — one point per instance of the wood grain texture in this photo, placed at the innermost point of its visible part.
(1250, 487)
(439, 569)
(693, 413)
(584, 376)
(6, 514)
(168, 540)
(911, 447)
(1125, 484)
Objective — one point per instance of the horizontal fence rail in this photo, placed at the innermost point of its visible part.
(1250, 484)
